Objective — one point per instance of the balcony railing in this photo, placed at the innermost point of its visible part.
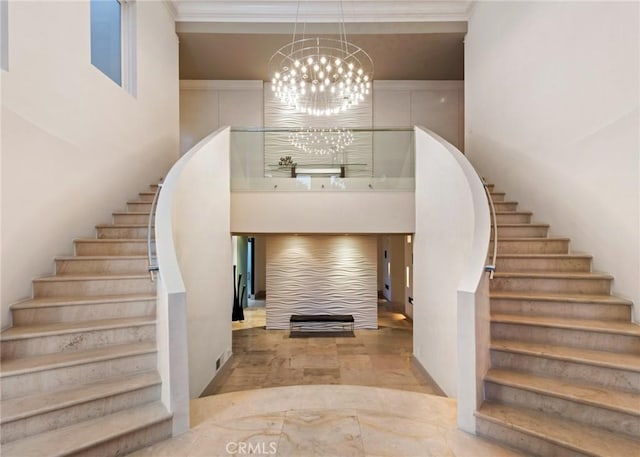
(316, 159)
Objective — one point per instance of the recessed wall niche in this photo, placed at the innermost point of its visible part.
(321, 275)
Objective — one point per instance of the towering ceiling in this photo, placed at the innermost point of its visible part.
(407, 39)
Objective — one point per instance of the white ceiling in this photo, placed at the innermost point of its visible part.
(408, 40)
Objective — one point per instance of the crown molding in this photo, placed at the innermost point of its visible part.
(358, 28)
(323, 11)
(172, 8)
(210, 84)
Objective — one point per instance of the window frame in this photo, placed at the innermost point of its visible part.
(128, 47)
(4, 35)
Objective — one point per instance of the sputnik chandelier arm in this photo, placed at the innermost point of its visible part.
(321, 76)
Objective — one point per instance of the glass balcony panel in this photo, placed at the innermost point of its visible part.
(268, 159)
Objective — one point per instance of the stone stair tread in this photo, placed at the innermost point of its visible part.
(62, 359)
(110, 240)
(532, 238)
(552, 274)
(616, 327)
(79, 300)
(514, 212)
(551, 296)
(101, 257)
(589, 440)
(543, 256)
(21, 407)
(91, 276)
(617, 400)
(501, 224)
(34, 331)
(136, 213)
(123, 226)
(617, 360)
(87, 434)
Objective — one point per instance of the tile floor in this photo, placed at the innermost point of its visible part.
(332, 421)
(324, 396)
(269, 358)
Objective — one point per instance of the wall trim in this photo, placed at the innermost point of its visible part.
(417, 85)
(319, 11)
(210, 84)
(171, 8)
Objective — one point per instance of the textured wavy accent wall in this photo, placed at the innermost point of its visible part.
(277, 145)
(322, 275)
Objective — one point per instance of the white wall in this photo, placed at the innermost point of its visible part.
(195, 258)
(437, 105)
(322, 275)
(552, 102)
(205, 106)
(442, 246)
(322, 212)
(76, 146)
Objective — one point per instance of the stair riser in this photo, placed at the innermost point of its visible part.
(73, 414)
(497, 197)
(513, 218)
(114, 248)
(561, 309)
(83, 312)
(505, 206)
(147, 197)
(566, 337)
(532, 231)
(529, 444)
(602, 376)
(77, 341)
(57, 378)
(571, 264)
(552, 285)
(130, 442)
(110, 266)
(542, 246)
(143, 207)
(122, 232)
(96, 287)
(595, 416)
(130, 218)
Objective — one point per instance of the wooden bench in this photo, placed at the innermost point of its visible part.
(298, 321)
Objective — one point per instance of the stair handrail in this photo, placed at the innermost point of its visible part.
(491, 268)
(152, 265)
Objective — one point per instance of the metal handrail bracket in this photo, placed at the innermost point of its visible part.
(491, 268)
(153, 265)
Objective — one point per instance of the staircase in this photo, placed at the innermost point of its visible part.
(78, 370)
(565, 356)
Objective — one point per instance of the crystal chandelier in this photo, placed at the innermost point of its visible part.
(321, 141)
(321, 76)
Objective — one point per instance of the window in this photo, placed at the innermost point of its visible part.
(4, 35)
(113, 40)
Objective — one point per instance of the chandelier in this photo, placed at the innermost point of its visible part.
(321, 76)
(321, 141)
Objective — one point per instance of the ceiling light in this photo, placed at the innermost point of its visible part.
(319, 53)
